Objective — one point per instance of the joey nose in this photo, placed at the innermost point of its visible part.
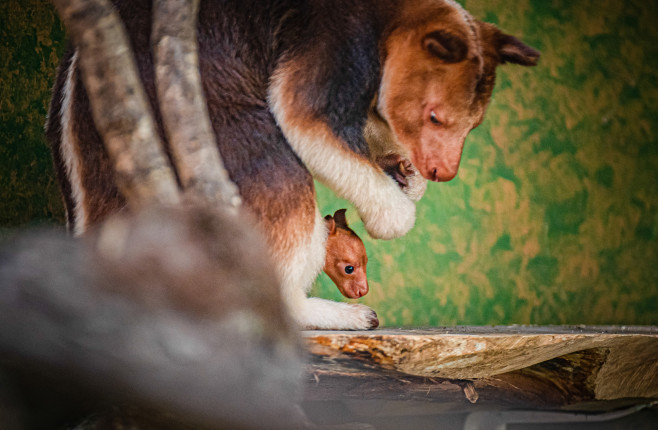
(362, 288)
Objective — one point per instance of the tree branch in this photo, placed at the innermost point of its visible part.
(119, 106)
(178, 81)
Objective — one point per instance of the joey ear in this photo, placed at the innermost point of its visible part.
(330, 223)
(512, 50)
(340, 219)
(446, 46)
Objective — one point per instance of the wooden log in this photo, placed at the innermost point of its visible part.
(530, 367)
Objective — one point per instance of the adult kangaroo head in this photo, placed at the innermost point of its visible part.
(439, 68)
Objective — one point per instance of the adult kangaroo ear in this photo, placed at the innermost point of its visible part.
(445, 46)
(512, 50)
(509, 48)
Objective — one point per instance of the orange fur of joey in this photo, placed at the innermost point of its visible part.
(345, 249)
(439, 72)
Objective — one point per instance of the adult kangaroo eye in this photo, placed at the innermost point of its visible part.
(349, 269)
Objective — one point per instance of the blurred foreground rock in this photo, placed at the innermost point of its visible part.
(169, 318)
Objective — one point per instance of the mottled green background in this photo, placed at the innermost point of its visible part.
(553, 218)
(31, 40)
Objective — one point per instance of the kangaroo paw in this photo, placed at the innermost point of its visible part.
(320, 314)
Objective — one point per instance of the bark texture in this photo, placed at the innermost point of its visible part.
(183, 105)
(119, 106)
(529, 367)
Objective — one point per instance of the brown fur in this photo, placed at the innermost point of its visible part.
(346, 259)
(421, 75)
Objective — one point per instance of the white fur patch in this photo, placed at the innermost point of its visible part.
(300, 267)
(321, 314)
(306, 259)
(385, 210)
(68, 150)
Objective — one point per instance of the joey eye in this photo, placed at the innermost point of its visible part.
(349, 269)
(434, 119)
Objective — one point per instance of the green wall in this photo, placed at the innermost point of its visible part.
(553, 218)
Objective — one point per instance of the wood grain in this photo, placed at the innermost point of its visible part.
(544, 367)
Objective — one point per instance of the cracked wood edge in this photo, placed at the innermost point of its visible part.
(590, 364)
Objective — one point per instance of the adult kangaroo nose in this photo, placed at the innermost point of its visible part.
(437, 154)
